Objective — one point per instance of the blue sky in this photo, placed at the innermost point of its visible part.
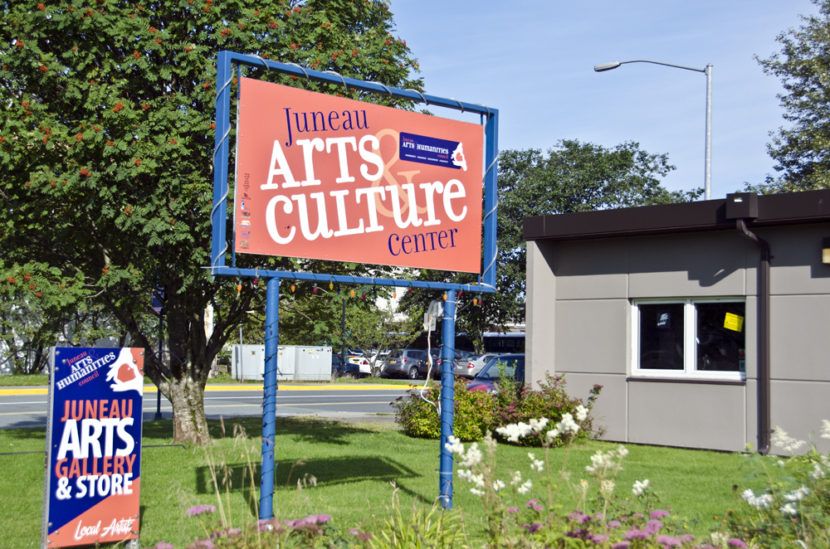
(533, 60)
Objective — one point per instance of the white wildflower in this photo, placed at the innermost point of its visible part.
(606, 487)
(817, 472)
(622, 451)
(789, 509)
(567, 425)
(498, 485)
(551, 435)
(825, 428)
(514, 431)
(639, 487)
(472, 456)
(536, 464)
(602, 462)
(781, 439)
(454, 445)
(581, 413)
(471, 477)
(762, 501)
(476, 492)
(537, 425)
(489, 442)
(797, 495)
(515, 478)
(525, 487)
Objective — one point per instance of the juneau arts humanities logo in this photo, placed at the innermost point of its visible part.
(326, 177)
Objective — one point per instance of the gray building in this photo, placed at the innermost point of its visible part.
(706, 323)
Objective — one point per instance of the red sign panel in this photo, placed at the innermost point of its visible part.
(325, 177)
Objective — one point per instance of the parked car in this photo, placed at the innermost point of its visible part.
(376, 359)
(362, 363)
(509, 365)
(470, 366)
(411, 363)
(341, 369)
(337, 365)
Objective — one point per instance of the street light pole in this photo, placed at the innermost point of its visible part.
(707, 186)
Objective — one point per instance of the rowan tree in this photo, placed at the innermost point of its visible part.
(106, 145)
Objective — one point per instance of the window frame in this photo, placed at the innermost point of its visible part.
(690, 328)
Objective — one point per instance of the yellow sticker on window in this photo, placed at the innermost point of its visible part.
(733, 322)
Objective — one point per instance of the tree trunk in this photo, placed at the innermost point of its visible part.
(189, 422)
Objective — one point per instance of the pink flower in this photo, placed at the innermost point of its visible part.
(200, 509)
(532, 527)
(659, 513)
(635, 533)
(653, 526)
(735, 542)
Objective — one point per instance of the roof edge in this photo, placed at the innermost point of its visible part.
(706, 215)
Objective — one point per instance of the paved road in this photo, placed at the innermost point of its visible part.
(26, 406)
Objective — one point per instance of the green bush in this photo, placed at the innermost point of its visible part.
(418, 413)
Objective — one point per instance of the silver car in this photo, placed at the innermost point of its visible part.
(470, 366)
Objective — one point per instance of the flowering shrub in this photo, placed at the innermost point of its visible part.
(601, 518)
(477, 412)
(794, 510)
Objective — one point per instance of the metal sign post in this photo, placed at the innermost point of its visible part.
(447, 399)
(269, 399)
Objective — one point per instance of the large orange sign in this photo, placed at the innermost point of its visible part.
(325, 177)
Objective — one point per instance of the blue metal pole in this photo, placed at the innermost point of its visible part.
(491, 146)
(269, 402)
(221, 149)
(447, 399)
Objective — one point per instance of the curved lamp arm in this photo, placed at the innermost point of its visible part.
(614, 64)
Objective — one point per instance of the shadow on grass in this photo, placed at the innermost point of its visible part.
(328, 471)
(302, 429)
(244, 478)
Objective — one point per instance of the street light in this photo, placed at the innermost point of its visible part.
(708, 72)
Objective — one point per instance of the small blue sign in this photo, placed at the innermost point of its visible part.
(432, 150)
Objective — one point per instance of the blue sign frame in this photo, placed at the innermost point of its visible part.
(221, 153)
(219, 248)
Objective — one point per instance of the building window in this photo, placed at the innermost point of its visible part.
(695, 338)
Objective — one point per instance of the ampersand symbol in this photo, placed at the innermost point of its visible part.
(64, 491)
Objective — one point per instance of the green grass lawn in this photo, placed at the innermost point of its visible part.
(344, 470)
